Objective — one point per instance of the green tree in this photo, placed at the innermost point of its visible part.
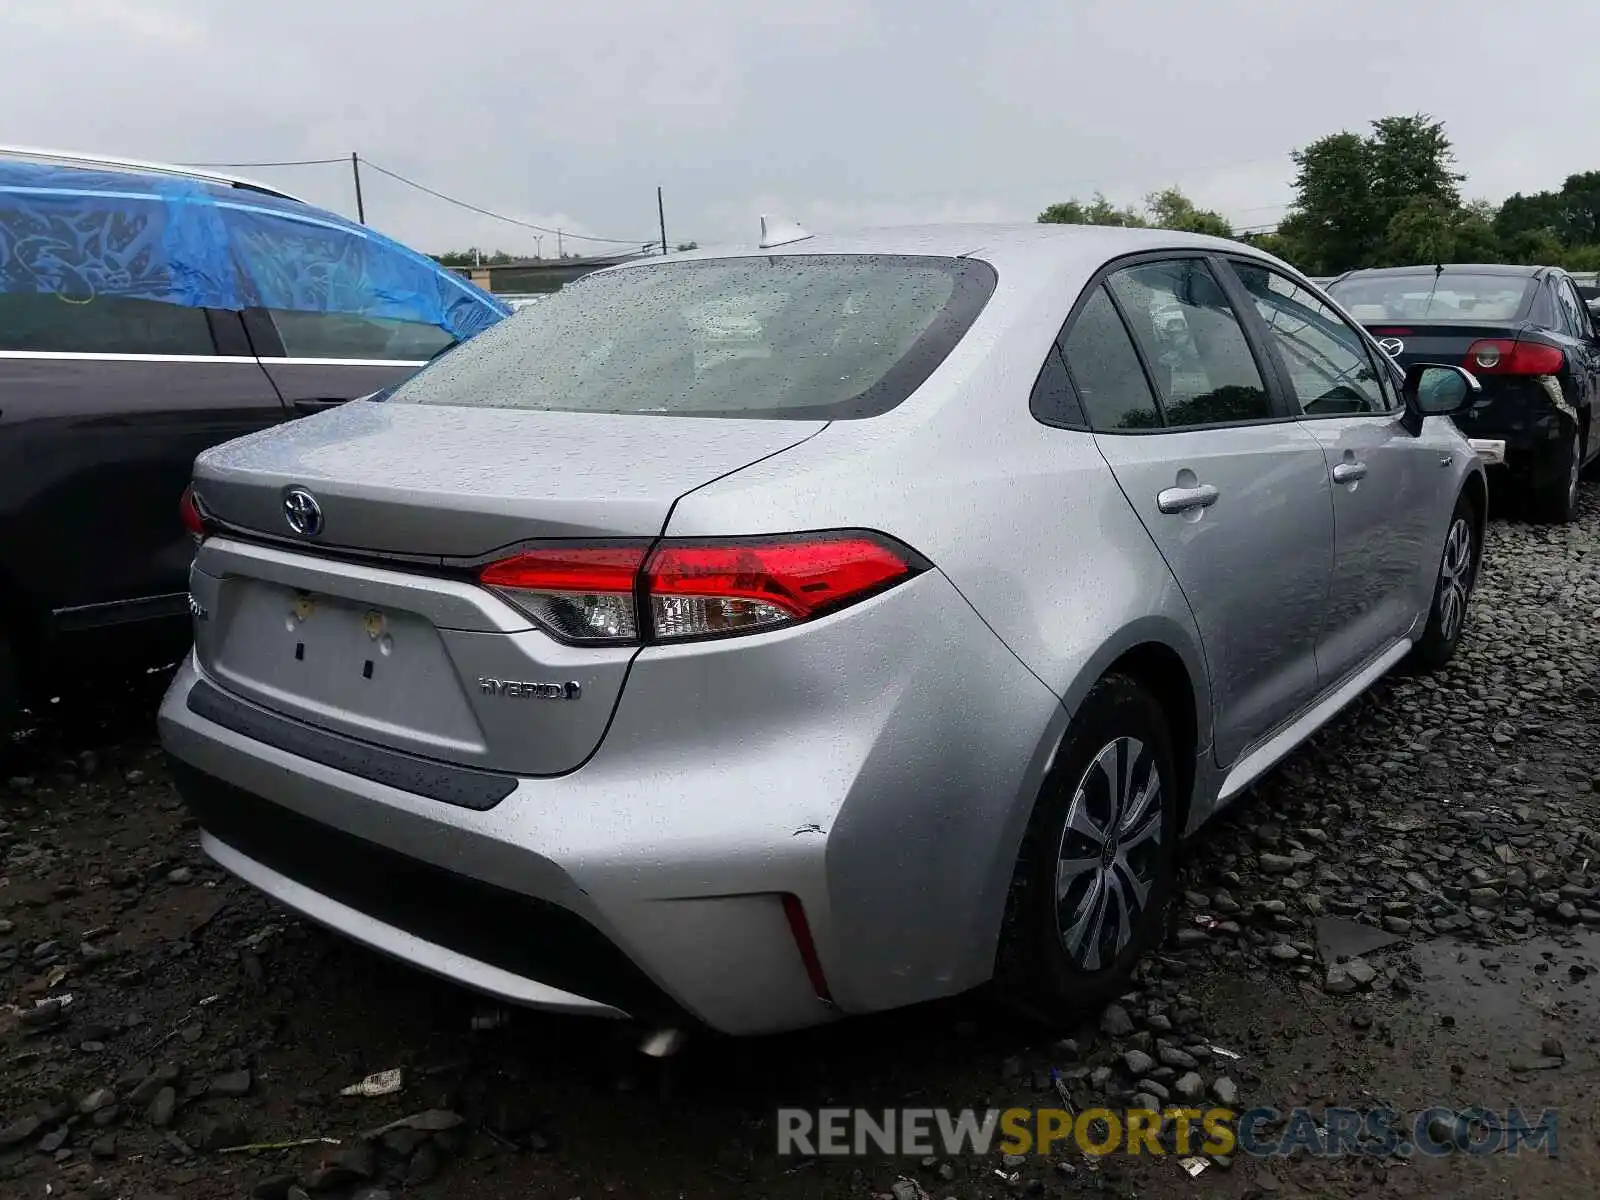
(473, 256)
(1166, 209)
(1529, 217)
(1476, 240)
(1423, 231)
(1374, 200)
(1580, 209)
(1098, 211)
(1410, 159)
(1171, 209)
(1334, 221)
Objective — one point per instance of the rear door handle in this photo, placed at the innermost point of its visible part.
(1349, 472)
(1182, 500)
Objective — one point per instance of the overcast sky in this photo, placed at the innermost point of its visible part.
(835, 112)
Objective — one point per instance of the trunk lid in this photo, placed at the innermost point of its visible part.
(401, 653)
(436, 481)
(1437, 342)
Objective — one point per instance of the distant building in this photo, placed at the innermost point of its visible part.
(538, 275)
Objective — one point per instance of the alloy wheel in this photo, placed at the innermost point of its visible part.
(1455, 578)
(1109, 853)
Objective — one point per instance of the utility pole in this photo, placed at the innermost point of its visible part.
(538, 245)
(355, 169)
(661, 215)
(560, 253)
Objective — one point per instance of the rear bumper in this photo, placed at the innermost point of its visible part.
(1531, 421)
(878, 765)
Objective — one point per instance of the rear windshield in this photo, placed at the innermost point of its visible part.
(1454, 297)
(789, 336)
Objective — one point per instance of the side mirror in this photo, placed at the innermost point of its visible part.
(1437, 390)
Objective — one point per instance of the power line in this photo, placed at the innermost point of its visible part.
(581, 237)
(298, 162)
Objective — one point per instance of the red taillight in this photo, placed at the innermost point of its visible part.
(578, 593)
(731, 587)
(189, 513)
(692, 589)
(1502, 356)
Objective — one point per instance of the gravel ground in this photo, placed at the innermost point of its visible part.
(1457, 814)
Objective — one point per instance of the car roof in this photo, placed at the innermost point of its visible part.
(1011, 248)
(73, 160)
(1510, 269)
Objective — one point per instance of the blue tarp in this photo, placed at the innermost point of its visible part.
(82, 233)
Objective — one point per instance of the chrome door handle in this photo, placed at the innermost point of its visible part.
(1349, 472)
(1181, 500)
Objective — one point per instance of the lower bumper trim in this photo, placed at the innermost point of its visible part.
(442, 921)
(386, 939)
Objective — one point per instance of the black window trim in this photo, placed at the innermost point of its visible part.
(1376, 358)
(1231, 288)
(228, 336)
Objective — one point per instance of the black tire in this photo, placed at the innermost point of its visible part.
(1556, 502)
(1035, 970)
(1452, 589)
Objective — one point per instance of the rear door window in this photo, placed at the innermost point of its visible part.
(1567, 306)
(352, 336)
(1204, 369)
(59, 281)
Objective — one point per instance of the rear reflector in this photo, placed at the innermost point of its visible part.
(696, 589)
(801, 931)
(1503, 356)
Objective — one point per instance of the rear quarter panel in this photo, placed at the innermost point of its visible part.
(1027, 523)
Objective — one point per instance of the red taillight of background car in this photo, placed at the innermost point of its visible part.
(696, 589)
(189, 513)
(1502, 356)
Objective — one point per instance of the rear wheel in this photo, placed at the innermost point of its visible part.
(1556, 502)
(1095, 873)
(1458, 572)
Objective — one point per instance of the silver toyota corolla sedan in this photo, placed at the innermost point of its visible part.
(813, 628)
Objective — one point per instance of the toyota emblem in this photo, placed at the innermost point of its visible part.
(301, 510)
(1391, 346)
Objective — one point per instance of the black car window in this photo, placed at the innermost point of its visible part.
(1105, 367)
(1576, 307)
(1192, 340)
(90, 324)
(780, 337)
(350, 335)
(1566, 320)
(1053, 400)
(1327, 361)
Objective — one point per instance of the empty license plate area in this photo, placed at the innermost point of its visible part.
(378, 673)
